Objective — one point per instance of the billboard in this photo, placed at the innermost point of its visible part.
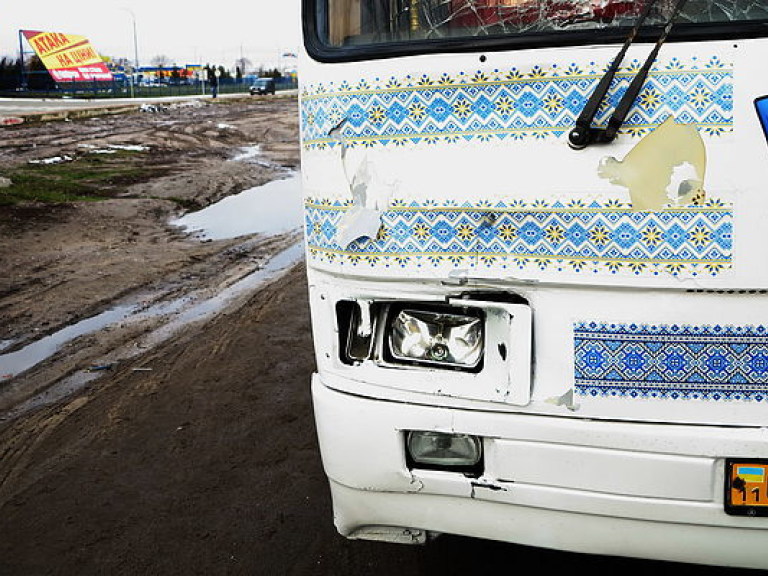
(68, 57)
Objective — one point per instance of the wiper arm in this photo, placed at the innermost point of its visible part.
(583, 134)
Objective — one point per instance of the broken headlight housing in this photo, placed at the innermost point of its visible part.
(438, 337)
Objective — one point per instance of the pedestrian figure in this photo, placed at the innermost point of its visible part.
(214, 85)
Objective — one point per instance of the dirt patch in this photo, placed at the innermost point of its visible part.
(72, 260)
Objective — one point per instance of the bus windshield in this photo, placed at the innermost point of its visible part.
(377, 22)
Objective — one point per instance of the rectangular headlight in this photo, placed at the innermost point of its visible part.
(437, 337)
(441, 450)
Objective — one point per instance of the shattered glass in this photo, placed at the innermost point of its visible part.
(359, 22)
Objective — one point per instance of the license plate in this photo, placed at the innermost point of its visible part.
(746, 487)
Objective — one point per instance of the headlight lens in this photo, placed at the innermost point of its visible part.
(437, 338)
(444, 450)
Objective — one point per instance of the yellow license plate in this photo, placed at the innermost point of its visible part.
(746, 487)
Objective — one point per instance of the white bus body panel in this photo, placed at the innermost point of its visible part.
(648, 350)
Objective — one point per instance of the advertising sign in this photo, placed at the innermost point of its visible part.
(68, 57)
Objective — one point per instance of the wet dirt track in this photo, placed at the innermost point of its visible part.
(208, 464)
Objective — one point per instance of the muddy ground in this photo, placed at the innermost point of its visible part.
(195, 454)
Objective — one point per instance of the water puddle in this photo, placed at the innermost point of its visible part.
(251, 154)
(274, 208)
(21, 360)
(177, 314)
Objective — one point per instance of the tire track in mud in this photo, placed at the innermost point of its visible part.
(28, 449)
(18, 447)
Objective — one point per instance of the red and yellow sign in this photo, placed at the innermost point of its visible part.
(68, 57)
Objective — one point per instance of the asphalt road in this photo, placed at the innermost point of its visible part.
(10, 107)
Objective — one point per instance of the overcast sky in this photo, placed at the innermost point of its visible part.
(216, 32)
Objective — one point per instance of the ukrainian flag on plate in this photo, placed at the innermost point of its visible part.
(751, 473)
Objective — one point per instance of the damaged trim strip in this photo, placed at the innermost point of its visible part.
(571, 236)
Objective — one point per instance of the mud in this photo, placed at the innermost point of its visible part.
(68, 262)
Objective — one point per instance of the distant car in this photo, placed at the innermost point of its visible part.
(263, 86)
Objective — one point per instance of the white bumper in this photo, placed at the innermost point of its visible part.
(640, 490)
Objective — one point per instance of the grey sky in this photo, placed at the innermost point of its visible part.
(216, 32)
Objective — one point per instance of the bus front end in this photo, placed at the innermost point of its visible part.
(538, 271)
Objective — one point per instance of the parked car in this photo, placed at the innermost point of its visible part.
(263, 86)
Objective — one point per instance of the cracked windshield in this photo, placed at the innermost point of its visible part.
(356, 22)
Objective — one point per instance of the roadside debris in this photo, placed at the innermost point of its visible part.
(100, 367)
(11, 121)
(53, 160)
(153, 108)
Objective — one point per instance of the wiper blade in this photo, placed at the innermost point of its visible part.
(620, 114)
(583, 134)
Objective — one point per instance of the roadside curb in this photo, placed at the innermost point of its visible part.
(123, 108)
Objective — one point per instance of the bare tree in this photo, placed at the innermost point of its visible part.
(160, 61)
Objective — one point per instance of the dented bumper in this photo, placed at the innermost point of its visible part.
(587, 486)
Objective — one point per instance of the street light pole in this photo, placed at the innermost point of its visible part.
(135, 46)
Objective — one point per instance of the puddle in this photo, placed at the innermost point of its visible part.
(206, 308)
(21, 360)
(274, 208)
(251, 154)
(179, 313)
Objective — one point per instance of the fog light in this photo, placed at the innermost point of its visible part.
(437, 449)
(437, 338)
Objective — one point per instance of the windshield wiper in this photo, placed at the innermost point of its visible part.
(583, 134)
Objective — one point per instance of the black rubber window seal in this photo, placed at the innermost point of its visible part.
(684, 32)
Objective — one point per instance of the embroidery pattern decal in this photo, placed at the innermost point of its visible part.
(540, 102)
(574, 236)
(675, 362)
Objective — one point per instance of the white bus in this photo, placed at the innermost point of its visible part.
(537, 253)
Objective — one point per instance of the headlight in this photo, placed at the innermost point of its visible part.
(441, 450)
(436, 337)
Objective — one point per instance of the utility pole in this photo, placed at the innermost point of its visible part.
(22, 71)
(135, 45)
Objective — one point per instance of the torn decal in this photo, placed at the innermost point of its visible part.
(606, 237)
(666, 166)
(540, 102)
(673, 362)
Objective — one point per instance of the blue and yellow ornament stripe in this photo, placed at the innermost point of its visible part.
(536, 103)
(597, 236)
(670, 361)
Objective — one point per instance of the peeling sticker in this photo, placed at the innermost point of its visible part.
(666, 166)
(564, 400)
(360, 221)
